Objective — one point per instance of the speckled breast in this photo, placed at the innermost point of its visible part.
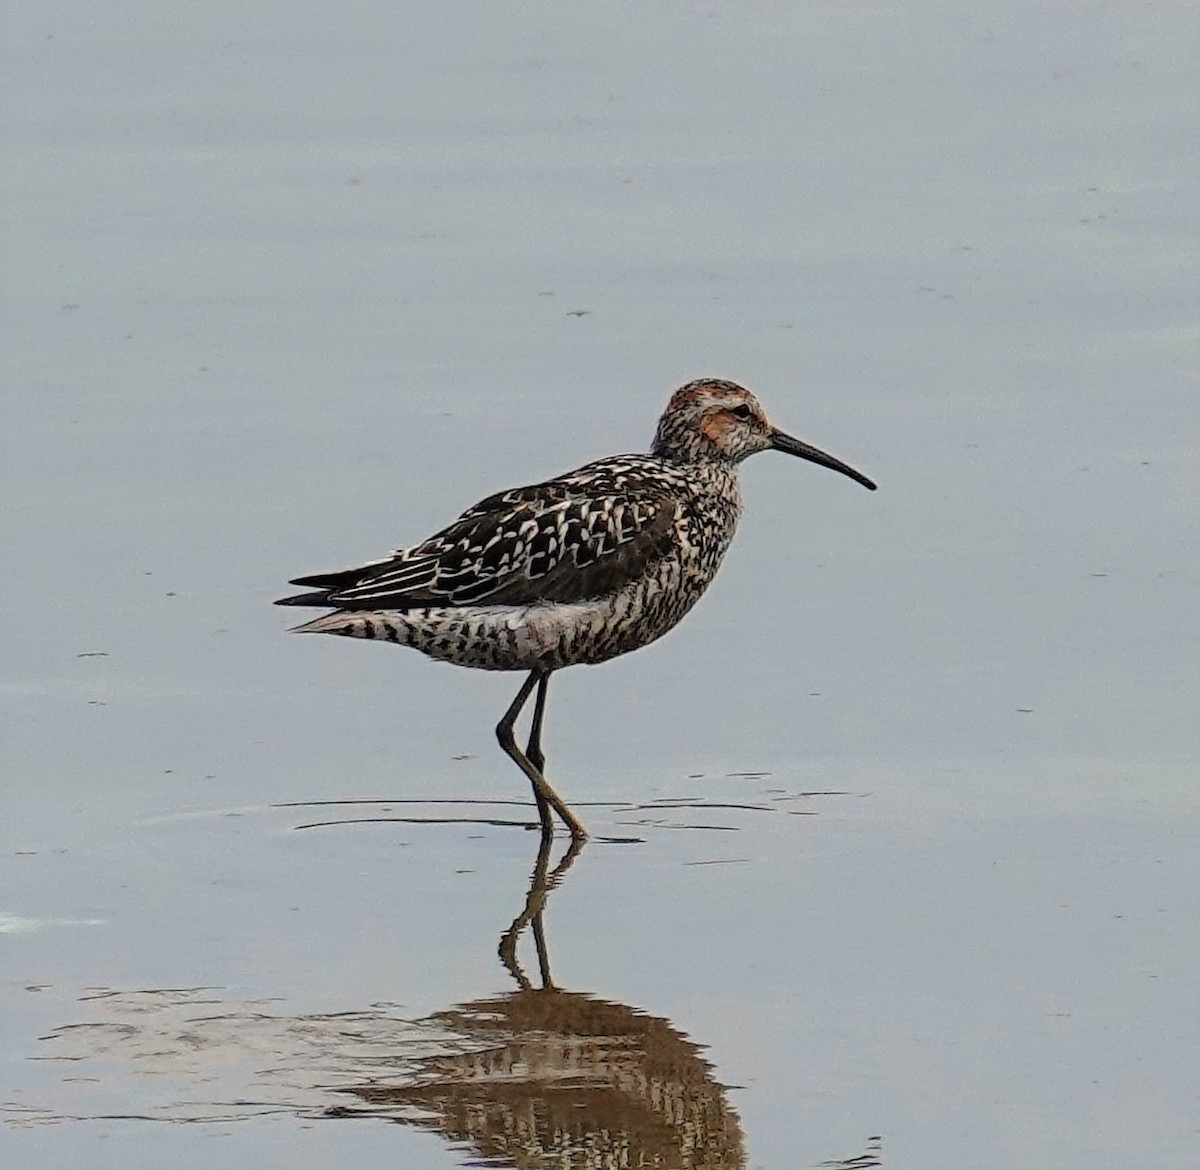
(651, 606)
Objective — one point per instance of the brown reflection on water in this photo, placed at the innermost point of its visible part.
(566, 1079)
(569, 1080)
(529, 1078)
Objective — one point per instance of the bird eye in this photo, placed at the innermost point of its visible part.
(742, 411)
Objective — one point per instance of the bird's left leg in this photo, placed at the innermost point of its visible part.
(508, 741)
(545, 796)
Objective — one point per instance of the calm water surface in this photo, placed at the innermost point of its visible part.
(896, 838)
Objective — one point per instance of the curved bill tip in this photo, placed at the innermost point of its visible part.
(790, 446)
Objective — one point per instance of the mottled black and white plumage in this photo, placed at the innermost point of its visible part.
(577, 569)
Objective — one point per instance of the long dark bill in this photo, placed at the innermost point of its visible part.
(790, 446)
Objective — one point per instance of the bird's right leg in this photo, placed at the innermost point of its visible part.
(534, 751)
(545, 796)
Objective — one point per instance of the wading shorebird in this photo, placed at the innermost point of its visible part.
(577, 569)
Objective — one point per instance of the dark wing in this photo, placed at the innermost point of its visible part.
(547, 542)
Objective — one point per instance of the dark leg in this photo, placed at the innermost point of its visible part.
(508, 741)
(534, 750)
(545, 796)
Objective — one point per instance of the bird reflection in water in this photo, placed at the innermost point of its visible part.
(561, 1078)
(534, 1078)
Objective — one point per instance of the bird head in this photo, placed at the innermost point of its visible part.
(712, 419)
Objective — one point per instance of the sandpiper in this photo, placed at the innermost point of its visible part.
(577, 569)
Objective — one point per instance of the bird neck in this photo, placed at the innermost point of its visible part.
(686, 446)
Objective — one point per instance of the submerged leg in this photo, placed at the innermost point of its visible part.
(540, 885)
(545, 796)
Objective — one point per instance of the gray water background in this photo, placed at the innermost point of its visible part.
(287, 286)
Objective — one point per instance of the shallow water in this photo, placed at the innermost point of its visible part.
(896, 837)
